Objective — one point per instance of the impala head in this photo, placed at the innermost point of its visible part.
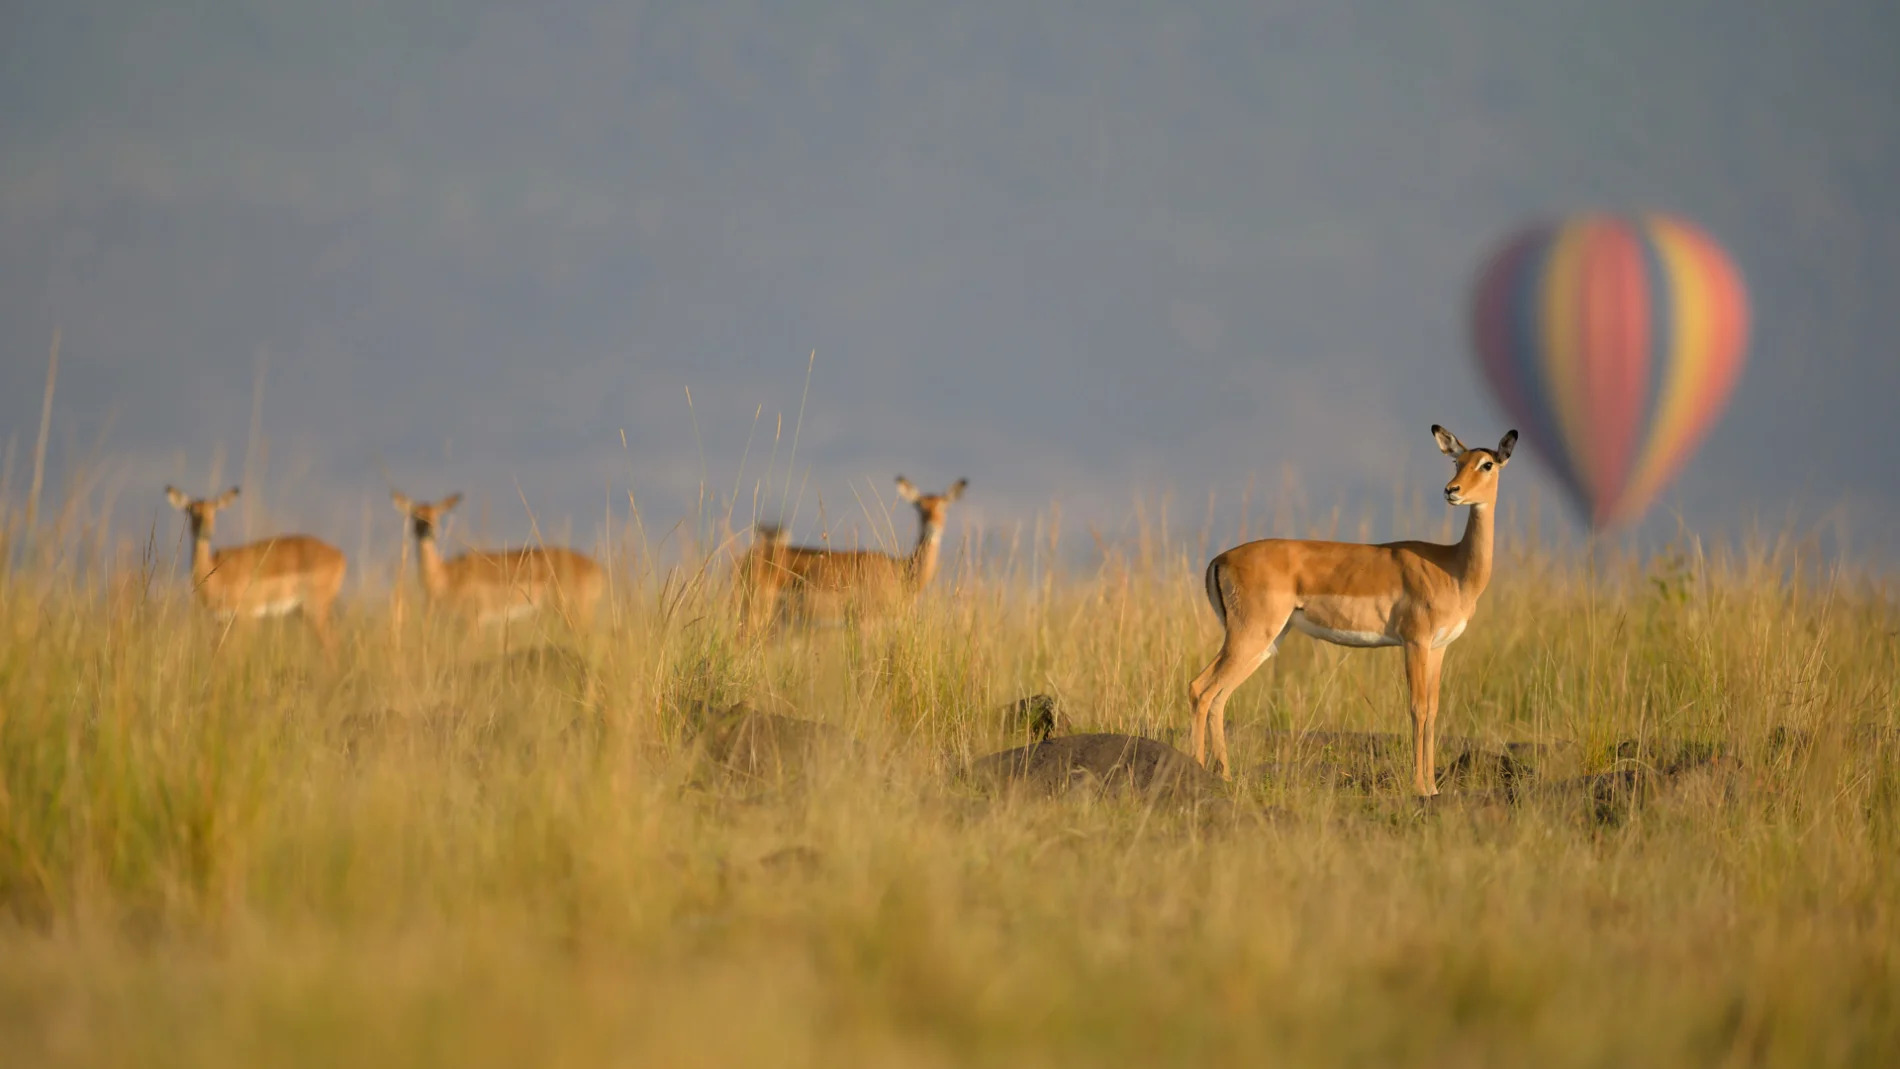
(931, 508)
(1476, 480)
(201, 512)
(423, 517)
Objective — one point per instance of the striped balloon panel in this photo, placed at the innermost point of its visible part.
(1615, 342)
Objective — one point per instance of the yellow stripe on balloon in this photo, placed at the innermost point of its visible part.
(1685, 354)
(1563, 362)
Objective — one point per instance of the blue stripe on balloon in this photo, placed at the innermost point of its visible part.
(1525, 309)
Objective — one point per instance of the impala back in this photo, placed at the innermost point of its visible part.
(273, 577)
(522, 581)
(824, 584)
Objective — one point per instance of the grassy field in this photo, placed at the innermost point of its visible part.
(216, 849)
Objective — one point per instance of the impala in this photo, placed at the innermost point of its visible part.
(1418, 595)
(827, 583)
(489, 586)
(272, 577)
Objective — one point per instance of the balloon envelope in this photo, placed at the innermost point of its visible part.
(1615, 342)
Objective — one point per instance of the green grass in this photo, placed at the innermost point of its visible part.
(217, 850)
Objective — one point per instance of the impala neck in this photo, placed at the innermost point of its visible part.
(923, 559)
(202, 560)
(435, 578)
(1475, 550)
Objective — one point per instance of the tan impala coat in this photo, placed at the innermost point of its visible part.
(270, 577)
(1417, 595)
(490, 586)
(827, 585)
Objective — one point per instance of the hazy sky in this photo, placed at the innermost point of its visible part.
(1072, 251)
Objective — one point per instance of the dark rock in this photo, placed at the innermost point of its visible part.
(1486, 770)
(743, 740)
(1695, 774)
(1320, 772)
(1670, 758)
(1101, 763)
(1396, 744)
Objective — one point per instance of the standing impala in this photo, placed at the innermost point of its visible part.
(490, 586)
(1419, 595)
(828, 583)
(271, 577)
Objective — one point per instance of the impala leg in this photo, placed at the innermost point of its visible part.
(1246, 648)
(1217, 712)
(1197, 713)
(319, 620)
(756, 602)
(1435, 662)
(1421, 677)
(764, 610)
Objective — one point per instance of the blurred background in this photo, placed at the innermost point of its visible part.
(1084, 254)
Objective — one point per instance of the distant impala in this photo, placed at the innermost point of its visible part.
(827, 583)
(272, 577)
(1419, 595)
(490, 586)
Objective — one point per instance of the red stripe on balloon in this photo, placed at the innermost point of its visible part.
(1616, 324)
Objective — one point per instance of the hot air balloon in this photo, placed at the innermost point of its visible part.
(1615, 342)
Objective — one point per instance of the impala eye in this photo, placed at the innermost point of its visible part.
(1487, 465)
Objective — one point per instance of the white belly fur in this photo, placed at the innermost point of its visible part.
(514, 611)
(280, 607)
(1358, 639)
(1445, 636)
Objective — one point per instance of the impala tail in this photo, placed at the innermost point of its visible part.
(1215, 597)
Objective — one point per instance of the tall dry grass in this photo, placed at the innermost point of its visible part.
(217, 850)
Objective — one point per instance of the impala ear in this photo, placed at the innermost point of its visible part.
(956, 490)
(1506, 445)
(402, 502)
(906, 491)
(1448, 442)
(225, 498)
(450, 502)
(177, 498)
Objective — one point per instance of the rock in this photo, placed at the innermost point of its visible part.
(1319, 772)
(1099, 762)
(743, 740)
(1481, 771)
(1368, 757)
(1696, 775)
